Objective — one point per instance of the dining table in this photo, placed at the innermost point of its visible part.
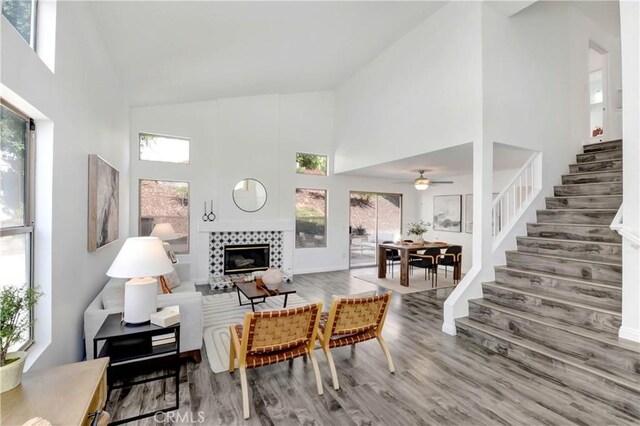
(405, 249)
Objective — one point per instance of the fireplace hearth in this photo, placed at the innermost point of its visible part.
(244, 258)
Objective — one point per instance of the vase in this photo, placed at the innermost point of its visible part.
(419, 239)
(11, 374)
(272, 276)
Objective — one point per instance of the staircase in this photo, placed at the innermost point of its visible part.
(556, 305)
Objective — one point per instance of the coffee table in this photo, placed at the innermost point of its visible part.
(254, 293)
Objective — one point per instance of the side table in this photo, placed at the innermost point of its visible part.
(131, 353)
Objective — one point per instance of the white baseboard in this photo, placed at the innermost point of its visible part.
(449, 329)
(629, 333)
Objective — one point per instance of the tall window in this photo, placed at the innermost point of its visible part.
(16, 191)
(311, 218)
(311, 164)
(164, 201)
(22, 15)
(168, 149)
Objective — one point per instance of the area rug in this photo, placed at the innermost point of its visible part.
(416, 283)
(221, 310)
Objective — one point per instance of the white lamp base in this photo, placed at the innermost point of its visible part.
(140, 300)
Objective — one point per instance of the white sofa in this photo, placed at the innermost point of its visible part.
(111, 300)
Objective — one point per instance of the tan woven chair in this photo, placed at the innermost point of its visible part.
(270, 337)
(353, 320)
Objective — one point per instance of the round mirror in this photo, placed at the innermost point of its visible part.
(249, 195)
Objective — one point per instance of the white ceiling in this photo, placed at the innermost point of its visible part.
(183, 51)
(445, 163)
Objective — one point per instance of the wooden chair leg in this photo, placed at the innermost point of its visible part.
(232, 357)
(332, 368)
(316, 371)
(387, 354)
(245, 392)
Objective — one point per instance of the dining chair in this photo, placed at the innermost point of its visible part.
(353, 320)
(427, 260)
(393, 256)
(270, 337)
(452, 257)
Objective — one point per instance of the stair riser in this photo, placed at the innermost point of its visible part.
(576, 217)
(565, 232)
(604, 146)
(599, 156)
(564, 374)
(594, 353)
(608, 298)
(572, 249)
(597, 202)
(600, 177)
(600, 166)
(581, 317)
(609, 188)
(567, 267)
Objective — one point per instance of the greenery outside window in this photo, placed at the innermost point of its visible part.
(22, 16)
(163, 201)
(311, 218)
(311, 164)
(16, 204)
(168, 149)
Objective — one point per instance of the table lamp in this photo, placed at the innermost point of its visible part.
(165, 232)
(139, 260)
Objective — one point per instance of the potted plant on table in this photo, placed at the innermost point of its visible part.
(15, 305)
(418, 229)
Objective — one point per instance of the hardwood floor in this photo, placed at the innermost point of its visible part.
(439, 379)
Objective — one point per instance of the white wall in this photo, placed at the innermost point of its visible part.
(423, 93)
(79, 110)
(257, 137)
(630, 19)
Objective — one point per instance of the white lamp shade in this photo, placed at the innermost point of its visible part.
(421, 183)
(164, 231)
(140, 257)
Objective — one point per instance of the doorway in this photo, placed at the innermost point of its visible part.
(373, 218)
(597, 93)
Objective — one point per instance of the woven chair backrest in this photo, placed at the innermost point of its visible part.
(272, 331)
(357, 315)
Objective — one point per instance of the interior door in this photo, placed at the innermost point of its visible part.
(373, 218)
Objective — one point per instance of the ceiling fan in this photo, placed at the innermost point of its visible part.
(421, 183)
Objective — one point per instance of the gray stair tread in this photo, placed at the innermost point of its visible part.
(580, 210)
(604, 285)
(570, 328)
(553, 299)
(586, 163)
(591, 183)
(568, 259)
(563, 240)
(593, 173)
(600, 143)
(604, 150)
(548, 352)
(587, 195)
(569, 224)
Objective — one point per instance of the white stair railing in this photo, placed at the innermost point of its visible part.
(516, 196)
(617, 225)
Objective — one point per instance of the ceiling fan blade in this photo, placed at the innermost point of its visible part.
(441, 181)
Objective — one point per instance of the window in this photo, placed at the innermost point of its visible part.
(311, 218)
(168, 149)
(16, 225)
(22, 15)
(164, 201)
(311, 164)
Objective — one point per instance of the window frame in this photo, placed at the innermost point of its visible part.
(140, 180)
(326, 219)
(33, 25)
(164, 136)
(28, 226)
(326, 172)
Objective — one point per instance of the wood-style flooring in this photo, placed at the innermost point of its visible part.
(439, 380)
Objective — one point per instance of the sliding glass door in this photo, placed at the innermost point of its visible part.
(373, 218)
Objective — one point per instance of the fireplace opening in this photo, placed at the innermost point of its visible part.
(246, 258)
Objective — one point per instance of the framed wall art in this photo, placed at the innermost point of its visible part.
(104, 203)
(447, 213)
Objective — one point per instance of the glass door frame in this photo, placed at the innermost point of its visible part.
(377, 194)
